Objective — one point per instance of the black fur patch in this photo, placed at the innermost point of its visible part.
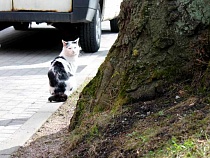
(58, 98)
(60, 88)
(58, 58)
(60, 71)
(52, 78)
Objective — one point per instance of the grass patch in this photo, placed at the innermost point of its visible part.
(192, 148)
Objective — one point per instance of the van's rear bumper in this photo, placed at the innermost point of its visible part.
(83, 11)
(35, 16)
(83, 15)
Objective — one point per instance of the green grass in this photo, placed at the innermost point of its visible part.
(189, 148)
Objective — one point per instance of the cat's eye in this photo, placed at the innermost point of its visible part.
(66, 44)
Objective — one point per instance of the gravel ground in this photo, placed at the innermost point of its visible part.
(46, 142)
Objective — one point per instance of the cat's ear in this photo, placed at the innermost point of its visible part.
(77, 40)
(64, 43)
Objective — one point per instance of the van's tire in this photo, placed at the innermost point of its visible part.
(21, 26)
(114, 25)
(90, 33)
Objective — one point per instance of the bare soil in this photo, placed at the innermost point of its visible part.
(140, 128)
(46, 142)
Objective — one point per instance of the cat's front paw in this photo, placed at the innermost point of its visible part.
(50, 99)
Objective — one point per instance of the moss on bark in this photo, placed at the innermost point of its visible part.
(161, 44)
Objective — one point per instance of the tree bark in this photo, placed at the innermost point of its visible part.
(163, 49)
(160, 43)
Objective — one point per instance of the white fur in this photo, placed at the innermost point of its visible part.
(70, 52)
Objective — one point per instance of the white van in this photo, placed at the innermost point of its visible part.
(81, 17)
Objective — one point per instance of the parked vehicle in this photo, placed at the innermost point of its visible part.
(80, 17)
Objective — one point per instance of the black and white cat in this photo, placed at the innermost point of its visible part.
(62, 72)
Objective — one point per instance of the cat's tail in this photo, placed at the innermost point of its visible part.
(58, 98)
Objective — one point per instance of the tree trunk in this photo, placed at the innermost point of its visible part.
(162, 45)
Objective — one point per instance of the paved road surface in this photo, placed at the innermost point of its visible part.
(24, 60)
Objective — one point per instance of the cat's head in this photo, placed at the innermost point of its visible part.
(70, 48)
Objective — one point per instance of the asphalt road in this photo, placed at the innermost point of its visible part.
(24, 60)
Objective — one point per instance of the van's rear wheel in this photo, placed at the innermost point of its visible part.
(90, 33)
(21, 26)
